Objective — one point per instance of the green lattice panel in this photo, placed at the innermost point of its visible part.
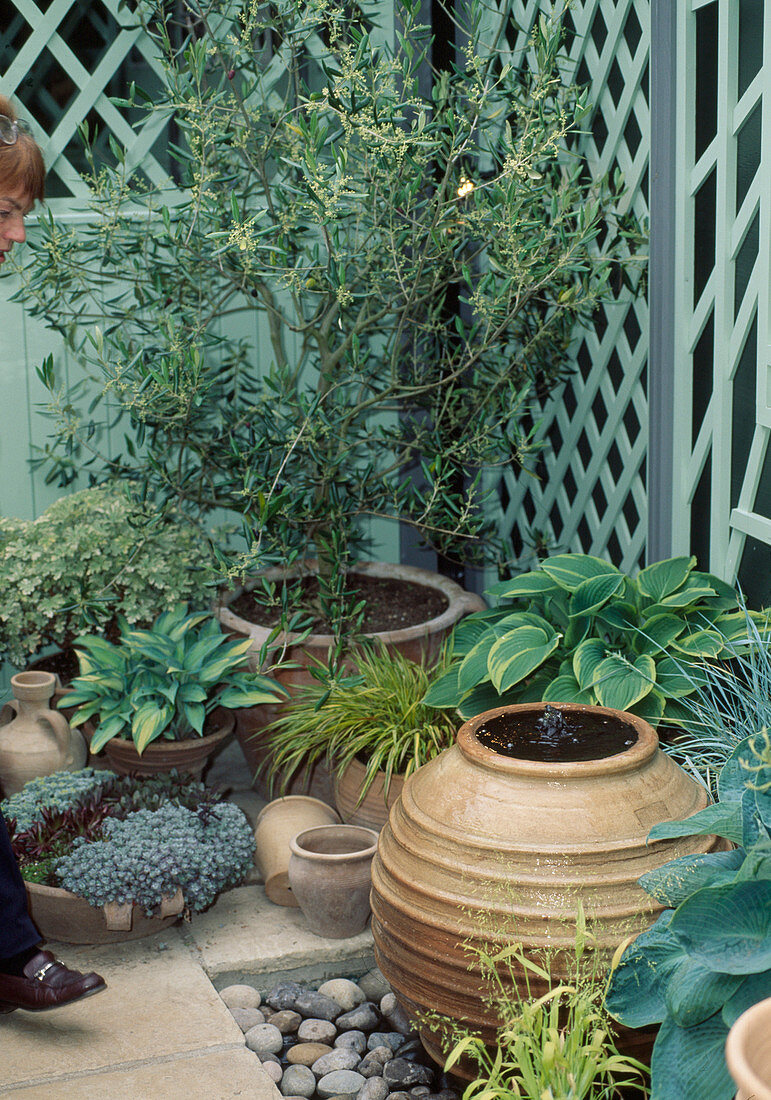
(722, 471)
(63, 60)
(591, 493)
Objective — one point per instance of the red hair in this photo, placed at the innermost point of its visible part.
(21, 164)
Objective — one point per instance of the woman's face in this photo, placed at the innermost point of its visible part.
(14, 207)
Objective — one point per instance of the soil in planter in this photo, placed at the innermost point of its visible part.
(389, 604)
(557, 737)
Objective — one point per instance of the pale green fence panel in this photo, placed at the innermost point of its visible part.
(590, 494)
(722, 465)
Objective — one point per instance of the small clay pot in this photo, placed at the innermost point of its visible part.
(372, 810)
(329, 874)
(277, 823)
(748, 1052)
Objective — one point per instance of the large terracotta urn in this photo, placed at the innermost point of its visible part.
(748, 1052)
(534, 813)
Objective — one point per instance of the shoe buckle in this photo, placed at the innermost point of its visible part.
(41, 973)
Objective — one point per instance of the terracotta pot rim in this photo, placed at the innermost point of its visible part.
(297, 843)
(644, 748)
(458, 599)
(754, 1020)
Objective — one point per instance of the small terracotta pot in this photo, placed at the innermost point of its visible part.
(748, 1052)
(278, 822)
(329, 873)
(189, 757)
(64, 917)
(372, 810)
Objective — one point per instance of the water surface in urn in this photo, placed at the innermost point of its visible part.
(556, 737)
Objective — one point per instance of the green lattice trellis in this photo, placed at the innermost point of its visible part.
(722, 397)
(63, 60)
(591, 494)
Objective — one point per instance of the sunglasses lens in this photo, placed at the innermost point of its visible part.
(7, 130)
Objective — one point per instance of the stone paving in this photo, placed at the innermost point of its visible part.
(160, 1030)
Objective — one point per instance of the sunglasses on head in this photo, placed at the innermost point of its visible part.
(10, 129)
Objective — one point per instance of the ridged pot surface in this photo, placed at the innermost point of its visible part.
(188, 756)
(491, 849)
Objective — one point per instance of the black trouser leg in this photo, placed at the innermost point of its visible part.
(17, 932)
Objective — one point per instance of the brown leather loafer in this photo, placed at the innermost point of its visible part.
(46, 983)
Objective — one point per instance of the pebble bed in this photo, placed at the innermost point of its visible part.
(346, 1039)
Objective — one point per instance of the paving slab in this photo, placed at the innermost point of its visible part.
(216, 1075)
(158, 1004)
(245, 937)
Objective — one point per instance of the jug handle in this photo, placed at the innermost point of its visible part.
(60, 728)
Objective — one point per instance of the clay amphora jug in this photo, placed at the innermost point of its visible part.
(35, 740)
(486, 846)
(748, 1052)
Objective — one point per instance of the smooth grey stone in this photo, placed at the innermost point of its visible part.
(240, 996)
(373, 985)
(405, 1074)
(381, 1054)
(317, 1031)
(399, 1096)
(395, 1014)
(284, 995)
(268, 1057)
(420, 1090)
(373, 1089)
(264, 1039)
(370, 1067)
(391, 1039)
(339, 1058)
(362, 1018)
(343, 1082)
(247, 1017)
(298, 1081)
(273, 1070)
(356, 1040)
(286, 1021)
(347, 993)
(317, 1006)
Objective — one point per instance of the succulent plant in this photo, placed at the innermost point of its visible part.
(145, 857)
(58, 791)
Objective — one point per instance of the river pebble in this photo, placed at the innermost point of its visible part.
(317, 1031)
(343, 1082)
(298, 1081)
(240, 996)
(340, 1058)
(347, 994)
(264, 1039)
(305, 1054)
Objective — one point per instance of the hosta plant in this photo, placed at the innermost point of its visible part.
(165, 681)
(578, 630)
(708, 956)
(377, 715)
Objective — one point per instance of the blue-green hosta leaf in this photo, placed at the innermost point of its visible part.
(637, 985)
(592, 594)
(619, 616)
(444, 691)
(587, 657)
(694, 993)
(202, 649)
(576, 631)
(245, 696)
(686, 597)
(485, 697)
(675, 881)
(727, 928)
(191, 693)
(526, 584)
(620, 683)
(757, 862)
(474, 668)
(148, 723)
(571, 570)
(754, 988)
(195, 713)
(658, 633)
(689, 1062)
(513, 657)
(468, 632)
(651, 709)
(105, 731)
(732, 780)
(664, 577)
(214, 670)
(566, 689)
(722, 819)
(750, 822)
(726, 592)
(673, 679)
(702, 643)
